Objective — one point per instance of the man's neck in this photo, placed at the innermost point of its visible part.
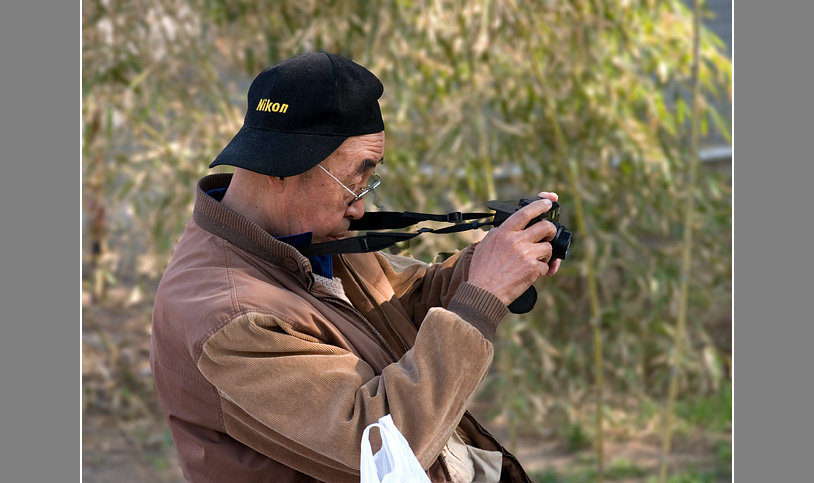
(248, 203)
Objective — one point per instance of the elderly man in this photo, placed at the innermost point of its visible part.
(270, 364)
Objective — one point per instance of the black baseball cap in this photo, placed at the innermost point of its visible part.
(300, 110)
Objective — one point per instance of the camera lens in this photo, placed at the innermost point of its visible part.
(561, 242)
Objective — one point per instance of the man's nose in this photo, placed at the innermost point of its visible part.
(355, 210)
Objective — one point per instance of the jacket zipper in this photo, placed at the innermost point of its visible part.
(341, 303)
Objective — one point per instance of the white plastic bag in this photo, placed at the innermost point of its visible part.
(395, 462)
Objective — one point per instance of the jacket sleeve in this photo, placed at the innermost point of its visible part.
(306, 403)
(421, 286)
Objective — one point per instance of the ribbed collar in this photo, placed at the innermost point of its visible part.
(222, 221)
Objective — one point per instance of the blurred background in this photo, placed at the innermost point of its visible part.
(623, 370)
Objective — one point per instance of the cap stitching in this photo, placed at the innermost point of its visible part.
(333, 94)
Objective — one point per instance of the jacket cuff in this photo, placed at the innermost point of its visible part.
(479, 307)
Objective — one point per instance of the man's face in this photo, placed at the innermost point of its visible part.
(319, 203)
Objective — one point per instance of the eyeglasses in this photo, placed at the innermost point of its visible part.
(372, 184)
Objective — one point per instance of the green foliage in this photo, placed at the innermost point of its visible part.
(623, 469)
(723, 450)
(691, 476)
(577, 439)
(723, 453)
(620, 469)
(547, 476)
(711, 412)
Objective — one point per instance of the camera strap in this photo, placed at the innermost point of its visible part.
(389, 220)
(393, 220)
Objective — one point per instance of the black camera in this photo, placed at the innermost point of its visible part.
(559, 244)
(561, 241)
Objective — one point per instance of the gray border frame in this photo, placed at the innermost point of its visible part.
(40, 198)
(773, 171)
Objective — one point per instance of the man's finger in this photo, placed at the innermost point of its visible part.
(543, 230)
(553, 266)
(543, 251)
(519, 219)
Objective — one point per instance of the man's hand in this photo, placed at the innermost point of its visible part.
(510, 258)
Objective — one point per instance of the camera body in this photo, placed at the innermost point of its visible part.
(562, 239)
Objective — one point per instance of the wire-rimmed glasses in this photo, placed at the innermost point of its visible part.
(373, 182)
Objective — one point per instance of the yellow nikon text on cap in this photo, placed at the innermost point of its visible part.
(268, 106)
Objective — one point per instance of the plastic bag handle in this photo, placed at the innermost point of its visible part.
(401, 465)
(389, 444)
(367, 465)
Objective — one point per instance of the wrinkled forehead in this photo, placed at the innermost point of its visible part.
(358, 155)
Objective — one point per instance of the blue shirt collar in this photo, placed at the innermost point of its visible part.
(320, 264)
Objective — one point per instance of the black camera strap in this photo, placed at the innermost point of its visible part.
(374, 241)
(389, 220)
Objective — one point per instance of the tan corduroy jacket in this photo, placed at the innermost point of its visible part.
(265, 375)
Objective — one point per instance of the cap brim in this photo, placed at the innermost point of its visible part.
(276, 153)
